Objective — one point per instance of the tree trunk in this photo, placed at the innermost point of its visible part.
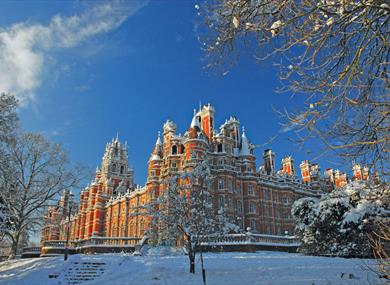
(191, 257)
(14, 246)
(192, 263)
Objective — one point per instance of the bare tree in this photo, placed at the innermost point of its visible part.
(32, 172)
(8, 126)
(380, 242)
(8, 116)
(334, 51)
(186, 211)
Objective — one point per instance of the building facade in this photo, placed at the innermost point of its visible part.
(260, 198)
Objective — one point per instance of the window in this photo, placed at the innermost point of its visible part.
(253, 225)
(230, 184)
(122, 169)
(239, 206)
(252, 207)
(267, 212)
(193, 155)
(221, 202)
(221, 184)
(219, 147)
(174, 164)
(230, 203)
(265, 195)
(238, 189)
(114, 167)
(174, 149)
(220, 162)
(152, 173)
(285, 200)
(250, 189)
(228, 149)
(131, 231)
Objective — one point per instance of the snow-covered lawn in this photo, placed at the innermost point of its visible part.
(222, 268)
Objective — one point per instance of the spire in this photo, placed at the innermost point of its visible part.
(117, 136)
(158, 142)
(245, 147)
(157, 150)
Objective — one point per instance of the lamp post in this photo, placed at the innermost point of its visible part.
(70, 204)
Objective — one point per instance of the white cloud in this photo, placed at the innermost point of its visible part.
(24, 48)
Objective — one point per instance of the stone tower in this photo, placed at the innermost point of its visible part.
(115, 172)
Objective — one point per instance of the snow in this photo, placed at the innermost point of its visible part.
(170, 266)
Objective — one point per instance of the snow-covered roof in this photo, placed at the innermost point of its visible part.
(195, 120)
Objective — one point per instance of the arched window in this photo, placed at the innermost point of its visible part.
(219, 147)
(182, 149)
(122, 169)
(174, 149)
(114, 167)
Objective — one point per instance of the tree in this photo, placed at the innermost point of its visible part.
(32, 172)
(8, 116)
(340, 223)
(380, 241)
(8, 126)
(334, 51)
(186, 211)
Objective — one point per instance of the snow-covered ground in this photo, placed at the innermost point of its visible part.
(171, 268)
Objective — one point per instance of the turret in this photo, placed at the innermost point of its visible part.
(157, 150)
(169, 133)
(246, 148)
(196, 121)
(329, 175)
(288, 165)
(154, 166)
(365, 173)
(357, 171)
(305, 171)
(269, 161)
(340, 179)
(115, 164)
(207, 120)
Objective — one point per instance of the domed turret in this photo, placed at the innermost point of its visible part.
(195, 123)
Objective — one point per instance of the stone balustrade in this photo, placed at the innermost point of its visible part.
(250, 238)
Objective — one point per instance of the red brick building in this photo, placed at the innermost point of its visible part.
(259, 198)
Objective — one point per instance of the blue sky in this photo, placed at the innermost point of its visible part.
(87, 70)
